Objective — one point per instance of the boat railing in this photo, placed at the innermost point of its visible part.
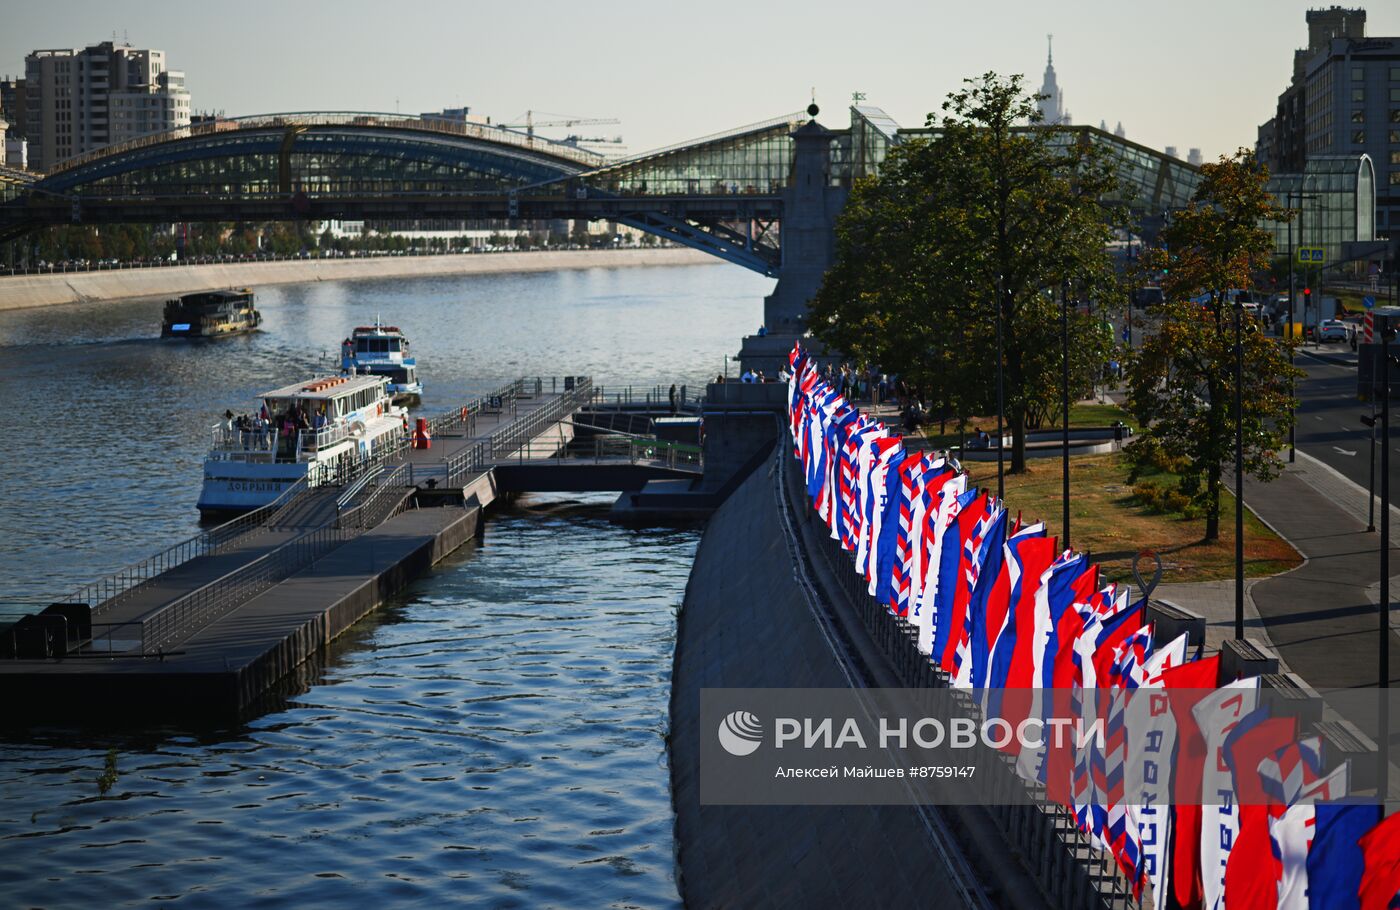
(234, 441)
(316, 438)
(110, 589)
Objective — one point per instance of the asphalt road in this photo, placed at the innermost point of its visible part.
(1329, 419)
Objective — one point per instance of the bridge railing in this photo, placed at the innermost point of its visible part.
(110, 589)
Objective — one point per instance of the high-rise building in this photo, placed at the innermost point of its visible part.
(1343, 99)
(1052, 106)
(12, 104)
(1193, 156)
(80, 100)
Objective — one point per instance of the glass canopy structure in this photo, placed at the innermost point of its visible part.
(1335, 198)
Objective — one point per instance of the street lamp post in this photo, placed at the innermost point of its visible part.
(1239, 474)
(1064, 341)
(1001, 402)
(1292, 296)
(1371, 481)
(1383, 638)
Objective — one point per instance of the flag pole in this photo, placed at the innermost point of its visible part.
(1064, 341)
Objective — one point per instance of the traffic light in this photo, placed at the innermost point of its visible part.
(1307, 293)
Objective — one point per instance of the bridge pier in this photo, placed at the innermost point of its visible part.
(811, 201)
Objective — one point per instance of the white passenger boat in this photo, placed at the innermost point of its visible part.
(313, 430)
(382, 350)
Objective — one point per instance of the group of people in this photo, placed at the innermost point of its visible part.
(254, 429)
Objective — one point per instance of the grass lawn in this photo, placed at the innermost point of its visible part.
(1107, 523)
(1081, 414)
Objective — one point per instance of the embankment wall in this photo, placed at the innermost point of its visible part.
(745, 623)
(23, 291)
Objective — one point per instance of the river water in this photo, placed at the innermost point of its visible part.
(493, 736)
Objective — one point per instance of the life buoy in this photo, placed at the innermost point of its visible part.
(356, 427)
(464, 415)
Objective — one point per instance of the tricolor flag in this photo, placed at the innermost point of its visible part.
(1252, 872)
(1291, 834)
(1216, 715)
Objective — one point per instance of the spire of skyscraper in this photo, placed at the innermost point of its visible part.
(1051, 107)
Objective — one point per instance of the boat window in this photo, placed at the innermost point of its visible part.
(361, 345)
(393, 344)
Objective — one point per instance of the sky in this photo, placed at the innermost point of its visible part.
(1192, 73)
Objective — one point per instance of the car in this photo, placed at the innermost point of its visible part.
(1331, 330)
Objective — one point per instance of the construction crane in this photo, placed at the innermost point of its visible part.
(600, 144)
(560, 120)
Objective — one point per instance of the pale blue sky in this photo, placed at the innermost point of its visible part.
(1190, 73)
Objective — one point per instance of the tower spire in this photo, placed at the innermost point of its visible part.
(1050, 48)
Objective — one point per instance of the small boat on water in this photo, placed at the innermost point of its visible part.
(211, 314)
(313, 430)
(382, 350)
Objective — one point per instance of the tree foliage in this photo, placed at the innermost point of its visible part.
(982, 213)
(1182, 382)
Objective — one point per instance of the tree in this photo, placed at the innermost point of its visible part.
(1182, 382)
(986, 213)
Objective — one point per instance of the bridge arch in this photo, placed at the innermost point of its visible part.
(339, 153)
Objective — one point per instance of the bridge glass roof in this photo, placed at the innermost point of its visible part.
(345, 160)
(755, 160)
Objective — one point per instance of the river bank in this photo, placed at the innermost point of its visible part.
(28, 291)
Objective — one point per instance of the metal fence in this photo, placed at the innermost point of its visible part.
(390, 496)
(1070, 871)
(181, 618)
(509, 439)
(104, 592)
(611, 448)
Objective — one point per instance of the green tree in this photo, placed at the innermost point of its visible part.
(1182, 382)
(985, 213)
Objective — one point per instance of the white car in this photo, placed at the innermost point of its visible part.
(1331, 330)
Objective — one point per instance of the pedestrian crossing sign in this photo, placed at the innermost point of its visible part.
(1310, 255)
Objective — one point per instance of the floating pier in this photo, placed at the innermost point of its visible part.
(204, 629)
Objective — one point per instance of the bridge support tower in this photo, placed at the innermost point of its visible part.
(811, 202)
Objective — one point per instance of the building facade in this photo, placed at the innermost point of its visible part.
(1343, 100)
(80, 100)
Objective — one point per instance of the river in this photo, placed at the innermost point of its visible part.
(494, 735)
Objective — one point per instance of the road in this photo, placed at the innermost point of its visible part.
(1329, 418)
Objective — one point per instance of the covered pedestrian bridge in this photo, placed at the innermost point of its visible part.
(727, 194)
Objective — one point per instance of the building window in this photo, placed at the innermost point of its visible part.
(1395, 74)
(1359, 94)
(1358, 137)
(1395, 137)
(1358, 74)
(1395, 178)
(1358, 116)
(1395, 116)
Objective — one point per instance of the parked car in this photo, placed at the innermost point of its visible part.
(1331, 330)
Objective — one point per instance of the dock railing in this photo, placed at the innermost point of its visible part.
(611, 448)
(109, 589)
(509, 439)
(390, 496)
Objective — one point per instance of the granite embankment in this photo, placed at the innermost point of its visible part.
(21, 291)
(747, 623)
